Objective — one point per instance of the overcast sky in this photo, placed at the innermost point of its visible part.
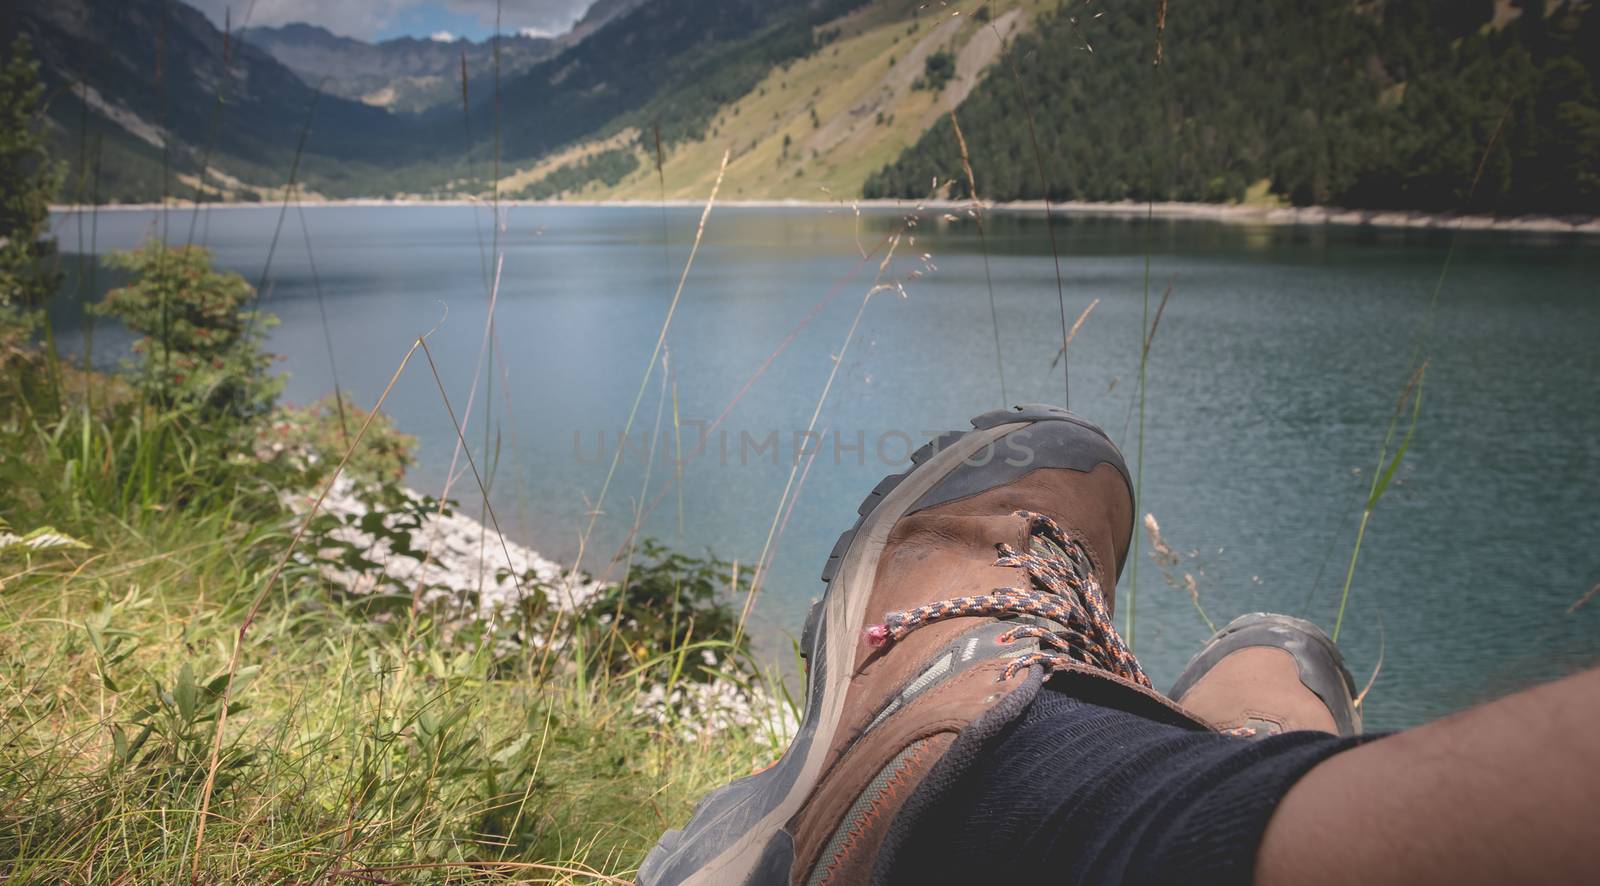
(382, 19)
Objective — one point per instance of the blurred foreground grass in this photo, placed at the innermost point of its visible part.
(367, 738)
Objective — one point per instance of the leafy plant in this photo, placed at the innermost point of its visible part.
(312, 439)
(200, 344)
(666, 601)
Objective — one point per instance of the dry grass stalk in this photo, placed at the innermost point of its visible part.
(1159, 550)
(1593, 592)
(1073, 332)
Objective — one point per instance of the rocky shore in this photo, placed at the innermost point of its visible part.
(462, 560)
(464, 570)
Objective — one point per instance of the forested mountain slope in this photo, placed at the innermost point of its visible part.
(1385, 104)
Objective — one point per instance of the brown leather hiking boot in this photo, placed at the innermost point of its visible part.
(987, 565)
(1265, 674)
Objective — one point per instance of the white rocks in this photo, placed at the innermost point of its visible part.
(460, 558)
(694, 710)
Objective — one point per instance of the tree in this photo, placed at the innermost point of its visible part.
(28, 179)
(201, 349)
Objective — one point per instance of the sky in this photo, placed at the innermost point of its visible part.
(383, 19)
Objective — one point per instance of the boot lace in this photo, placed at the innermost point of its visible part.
(1062, 590)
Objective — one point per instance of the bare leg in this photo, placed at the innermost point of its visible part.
(1505, 792)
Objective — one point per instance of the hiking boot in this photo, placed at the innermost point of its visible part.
(1265, 674)
(989, 564)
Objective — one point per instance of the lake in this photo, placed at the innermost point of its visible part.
(1277, 361)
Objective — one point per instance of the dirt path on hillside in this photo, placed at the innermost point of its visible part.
(980, 52)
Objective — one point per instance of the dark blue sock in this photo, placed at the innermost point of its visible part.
(1071, 792)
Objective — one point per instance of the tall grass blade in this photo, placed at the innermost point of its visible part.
(976, 209)
(788, 488)
(1049, 215)
(661, 340)
(260, 598)
(816, 310)
(1077, 324)
(1380, 481)
(283, 211)
(327, 333)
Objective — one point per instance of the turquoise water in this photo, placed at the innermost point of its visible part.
(1277, 361)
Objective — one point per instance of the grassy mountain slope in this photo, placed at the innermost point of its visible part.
(820, 124)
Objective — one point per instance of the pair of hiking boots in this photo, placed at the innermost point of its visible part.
(986, 569)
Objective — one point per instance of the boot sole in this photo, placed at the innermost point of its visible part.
(736, 833)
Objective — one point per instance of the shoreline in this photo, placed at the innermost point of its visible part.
(1220, 212)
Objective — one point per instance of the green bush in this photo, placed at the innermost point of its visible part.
(314, 439)
(200, 345)
(937, 70)
(669, 601)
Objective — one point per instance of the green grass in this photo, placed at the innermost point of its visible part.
(363, 742)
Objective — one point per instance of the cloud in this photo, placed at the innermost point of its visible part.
(364, 19)
(442, 37)
(536, 33)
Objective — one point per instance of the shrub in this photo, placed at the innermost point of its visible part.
(937, 70)
(669, 601)
(201, 347)
(313, 439)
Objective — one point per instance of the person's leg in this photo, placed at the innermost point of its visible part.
(1506, 792)
(1075, 792)
(927, 744)
(1079, 789)
(988, 565)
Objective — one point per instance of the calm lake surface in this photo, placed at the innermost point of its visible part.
(1278, 359)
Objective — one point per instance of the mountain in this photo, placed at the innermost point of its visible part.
(597, 16)
(1386, 104)
(681, 59)
(814, 125)
(1378, 104)
(160, 93)
(166, 92)
(408, 74)
(405, 74)
(1391, 104)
